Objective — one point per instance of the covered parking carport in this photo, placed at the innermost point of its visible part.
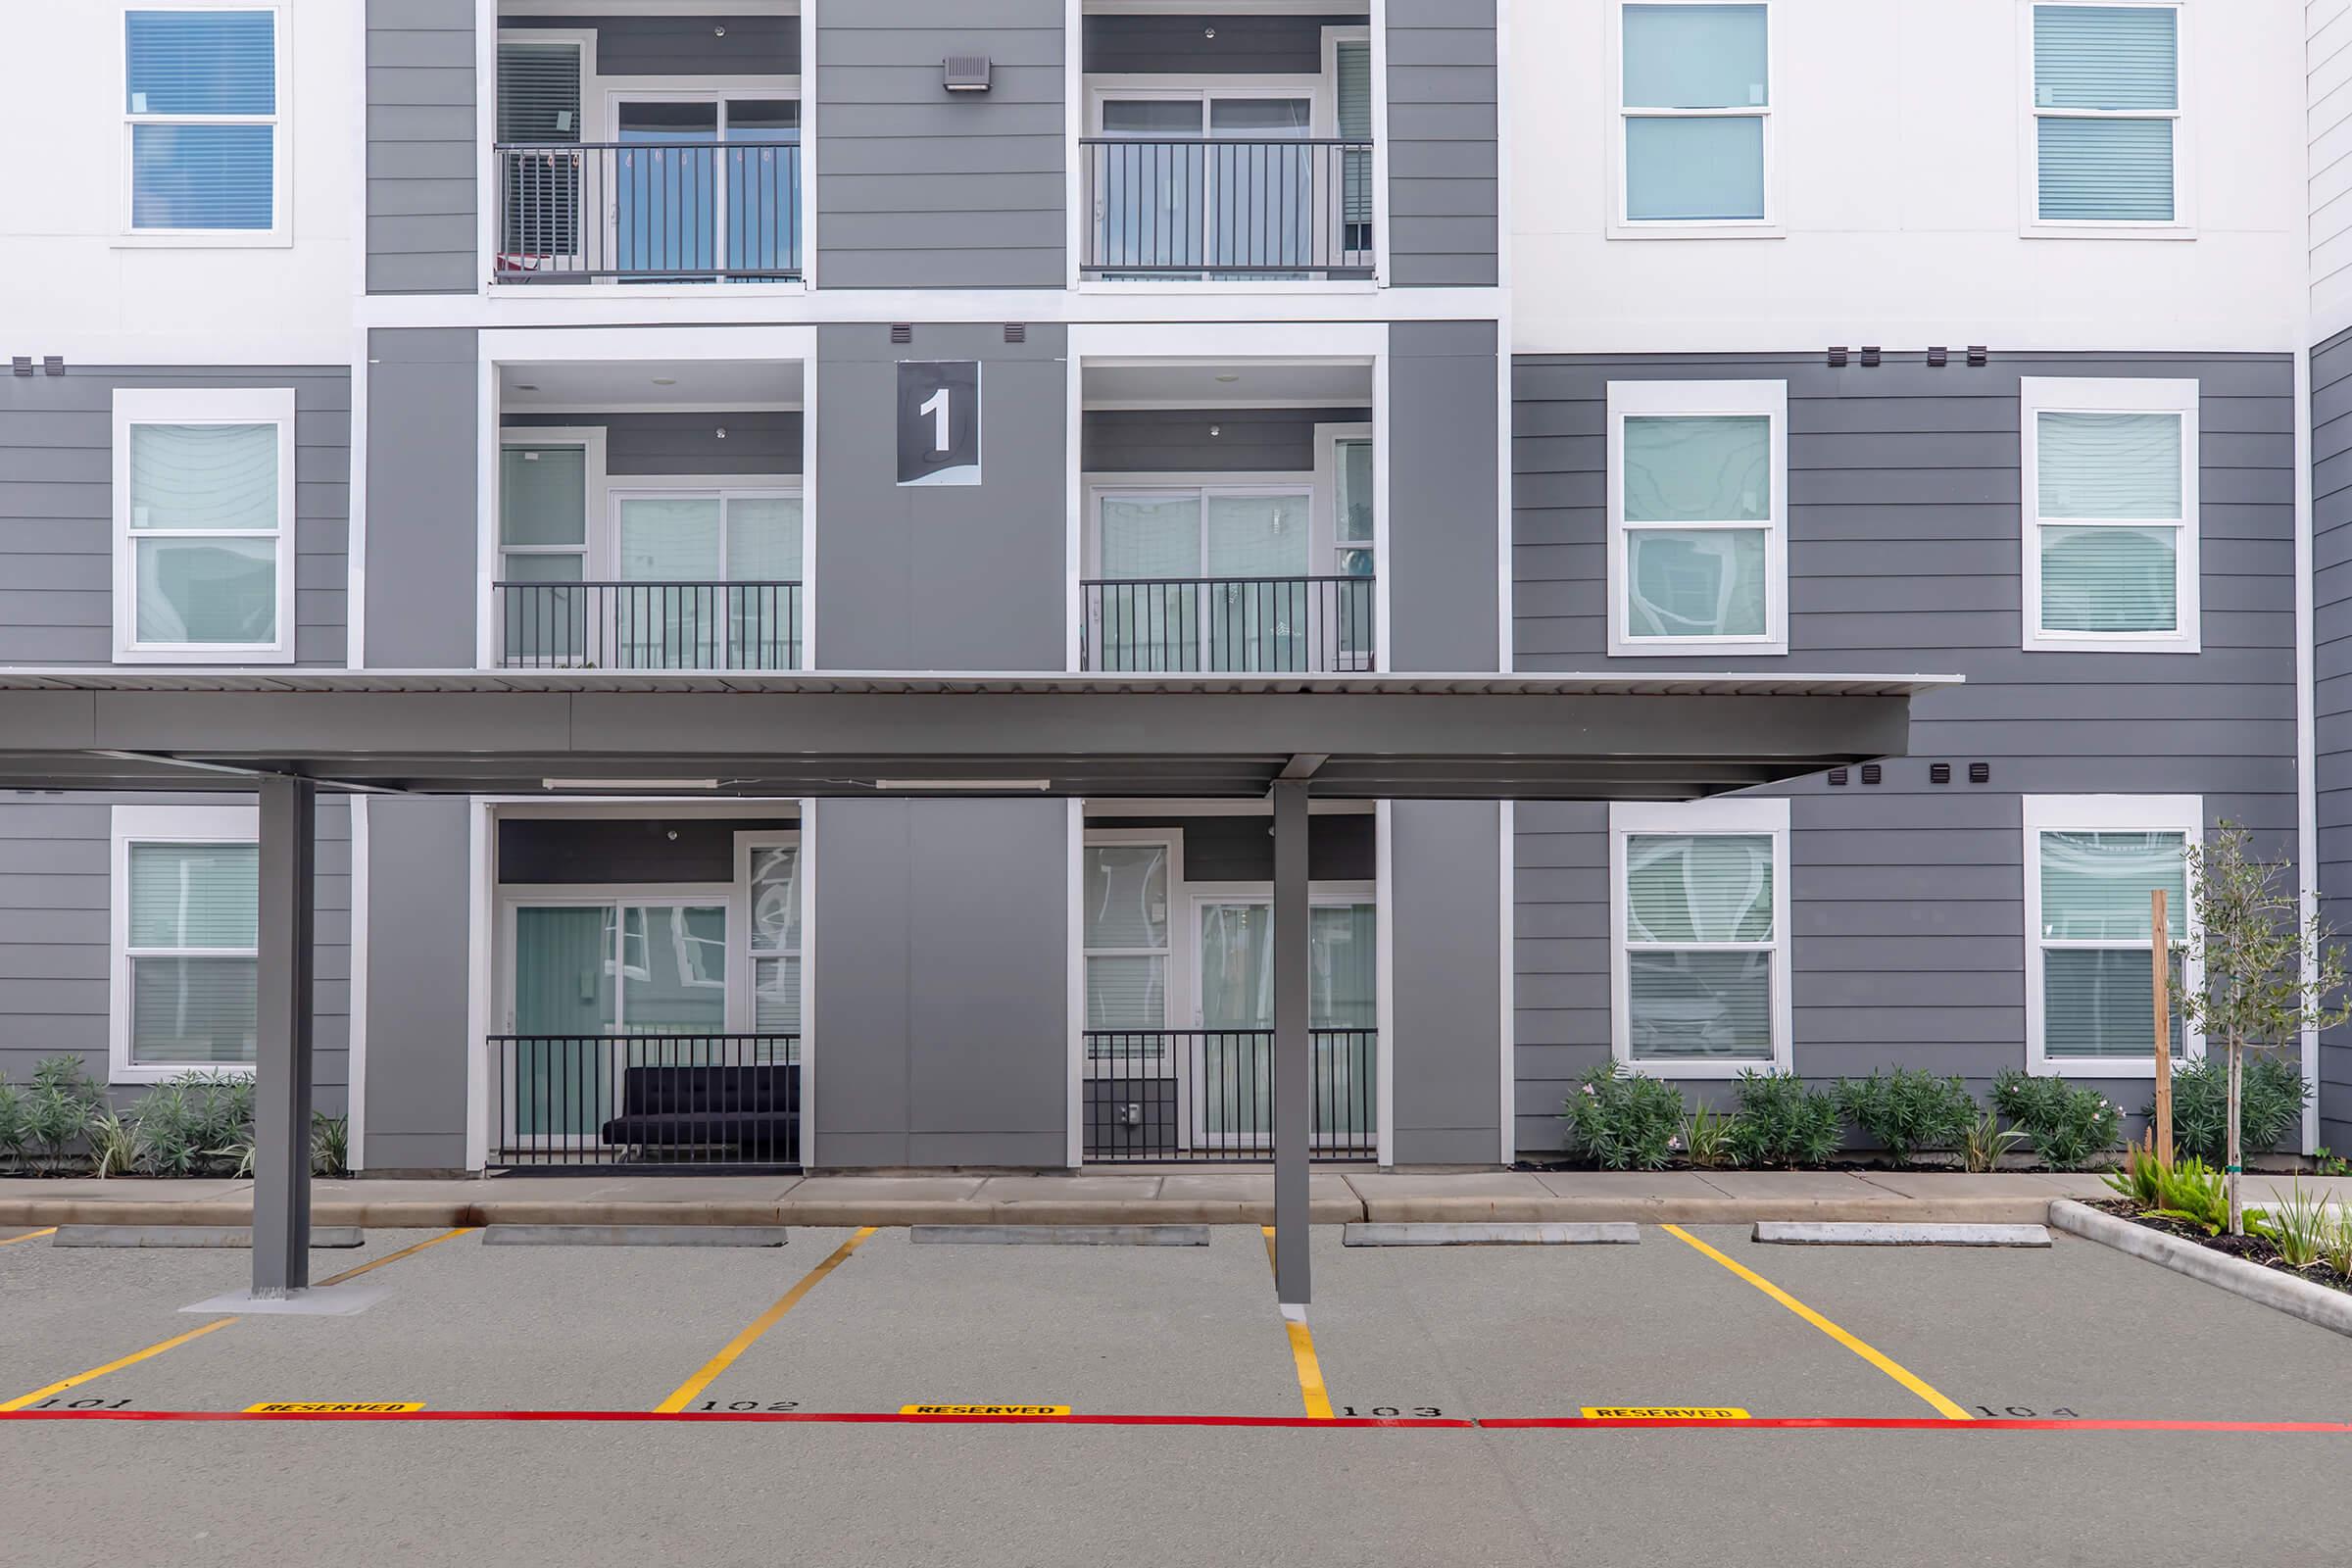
(288, 734)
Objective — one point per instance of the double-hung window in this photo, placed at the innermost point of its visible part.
(1698, 518)
(204, 124)
(1698, 915)
(204, 525)
(185, 937)
(2105, 118)
(2111, 515)
(1125, 883)
(1694, 117)
(2091, 863)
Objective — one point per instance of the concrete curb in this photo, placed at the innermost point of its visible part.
(2273, 1288)
(1817, 1233)
(443, 1213)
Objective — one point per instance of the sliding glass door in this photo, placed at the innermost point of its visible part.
(590, 968)
(1205, 580)
(706, 183)
(1235, 976)
(709, 581)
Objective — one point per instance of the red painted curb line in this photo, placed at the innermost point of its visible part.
(893, 1418)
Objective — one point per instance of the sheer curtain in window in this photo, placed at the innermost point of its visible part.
(205, 526)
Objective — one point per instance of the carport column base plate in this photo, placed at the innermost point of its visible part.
(1821, 1233)
(320, 1300)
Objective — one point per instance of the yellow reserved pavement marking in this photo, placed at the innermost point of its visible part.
(685, 1391)
(28, 1235)
(315, 1407)
(983, 1409)
(1311, 1392)
(1664, 1413)
(1876, 1357)
(136, 1357)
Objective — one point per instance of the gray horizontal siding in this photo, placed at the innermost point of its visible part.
(1444, 138)
(421, 159)
(1908, 944)
(636, 445)
(57, 506)
(919, 187)
(2331, 635)
(737, 45)
(54, 932)
(1211, 44)
(1178, 440)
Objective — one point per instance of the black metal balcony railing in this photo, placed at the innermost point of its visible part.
(724, 1100)
(649, 626)
(1279, 625)
(674, 211)
(1205, 1095)
(1224, 208)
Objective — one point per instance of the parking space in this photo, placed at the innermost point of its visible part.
(843, 1321)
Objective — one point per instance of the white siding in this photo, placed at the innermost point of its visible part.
(2328, 83)
(1899, 126)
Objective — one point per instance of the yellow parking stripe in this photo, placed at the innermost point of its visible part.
(79, 1378)
(685, 1391)
(28, 1235)
(394, 1257)
(1311, 1392)
(1884, 1362)
(135, 1356)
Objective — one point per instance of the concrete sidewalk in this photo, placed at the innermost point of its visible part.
(1239, 1197)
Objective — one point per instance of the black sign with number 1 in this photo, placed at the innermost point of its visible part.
(939, 422)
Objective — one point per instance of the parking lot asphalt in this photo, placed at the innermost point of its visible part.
(750, 1345)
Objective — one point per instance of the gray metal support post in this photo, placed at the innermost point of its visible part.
(282, 1111)
(1294, 1062)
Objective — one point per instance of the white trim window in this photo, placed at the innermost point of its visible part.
(2092, 862)
(205, 96)
(1698, 549)
(183, 910)
(1128, 882)
(769, 877)
(2104, 90)
(1692, 134)
(2111, 559)
(204, 525)
(1699, 936)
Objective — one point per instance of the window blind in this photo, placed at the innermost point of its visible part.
(1694, 57)
(202, 477)
(1697, 468)
(1355, 95)
(1706, 888)
(2114, 469)
(1690, 893)
(194, 895)
(538, 92)
(206, 71)
(2109, 60)
(200, 61)
(543, 496)
(2100, 1001)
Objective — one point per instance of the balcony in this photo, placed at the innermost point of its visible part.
(1227, 208)
(1267, 625)
(679, 212)
(1199, 1096)
(649, 626)
(1232, 146)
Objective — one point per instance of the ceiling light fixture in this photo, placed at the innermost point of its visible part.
(1229, 379)
(666, 380)
(1040, 785)
(650, 786)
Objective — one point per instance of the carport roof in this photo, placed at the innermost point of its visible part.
(1650, 735)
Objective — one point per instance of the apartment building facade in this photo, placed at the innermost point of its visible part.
(1135, 338)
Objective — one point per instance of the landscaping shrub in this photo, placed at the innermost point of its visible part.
(1708, 1138)
(2192, 1193)
(2068, 1124)
(16, 1126)
(1624, 1119)
(1907, 1111)
(1782, 1122)
(1985, 1142)
(330, 1145)
(2299, 1227)
(59, 1105)
(2273, 1096)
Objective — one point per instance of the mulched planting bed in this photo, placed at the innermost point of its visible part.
(2252, 1248)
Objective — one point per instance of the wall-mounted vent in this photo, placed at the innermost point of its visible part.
(1018, 332)
(965, 73)
(1941, 773)
(901, 332)
(1870, 359)
(1837, 363)
(1979, 772)
(1838, 777)
(21, 364)
(1937, 357)
(1872, 773)
(1976, 356)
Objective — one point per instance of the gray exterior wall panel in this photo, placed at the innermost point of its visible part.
(422, 158)
(641, 444)
(57, 506)
(1446, 876)
(1908, 942)
(938, 992)
(883, 117)
(942, 576)
(423, 545)
(420, 960)
(1443, 94)
(2331, 636)
(1445, 508)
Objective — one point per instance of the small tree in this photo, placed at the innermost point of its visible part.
(2254, 991)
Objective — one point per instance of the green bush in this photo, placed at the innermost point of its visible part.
(2272, 1101)
(172, 1130)
(330, 1145)
(1782, 1122)
(2068, 1124)
(16, 1126)
(1908, 1111)
(1708, 1138)
(1624, 1119)
(2192, 1194)
(59, 1104)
